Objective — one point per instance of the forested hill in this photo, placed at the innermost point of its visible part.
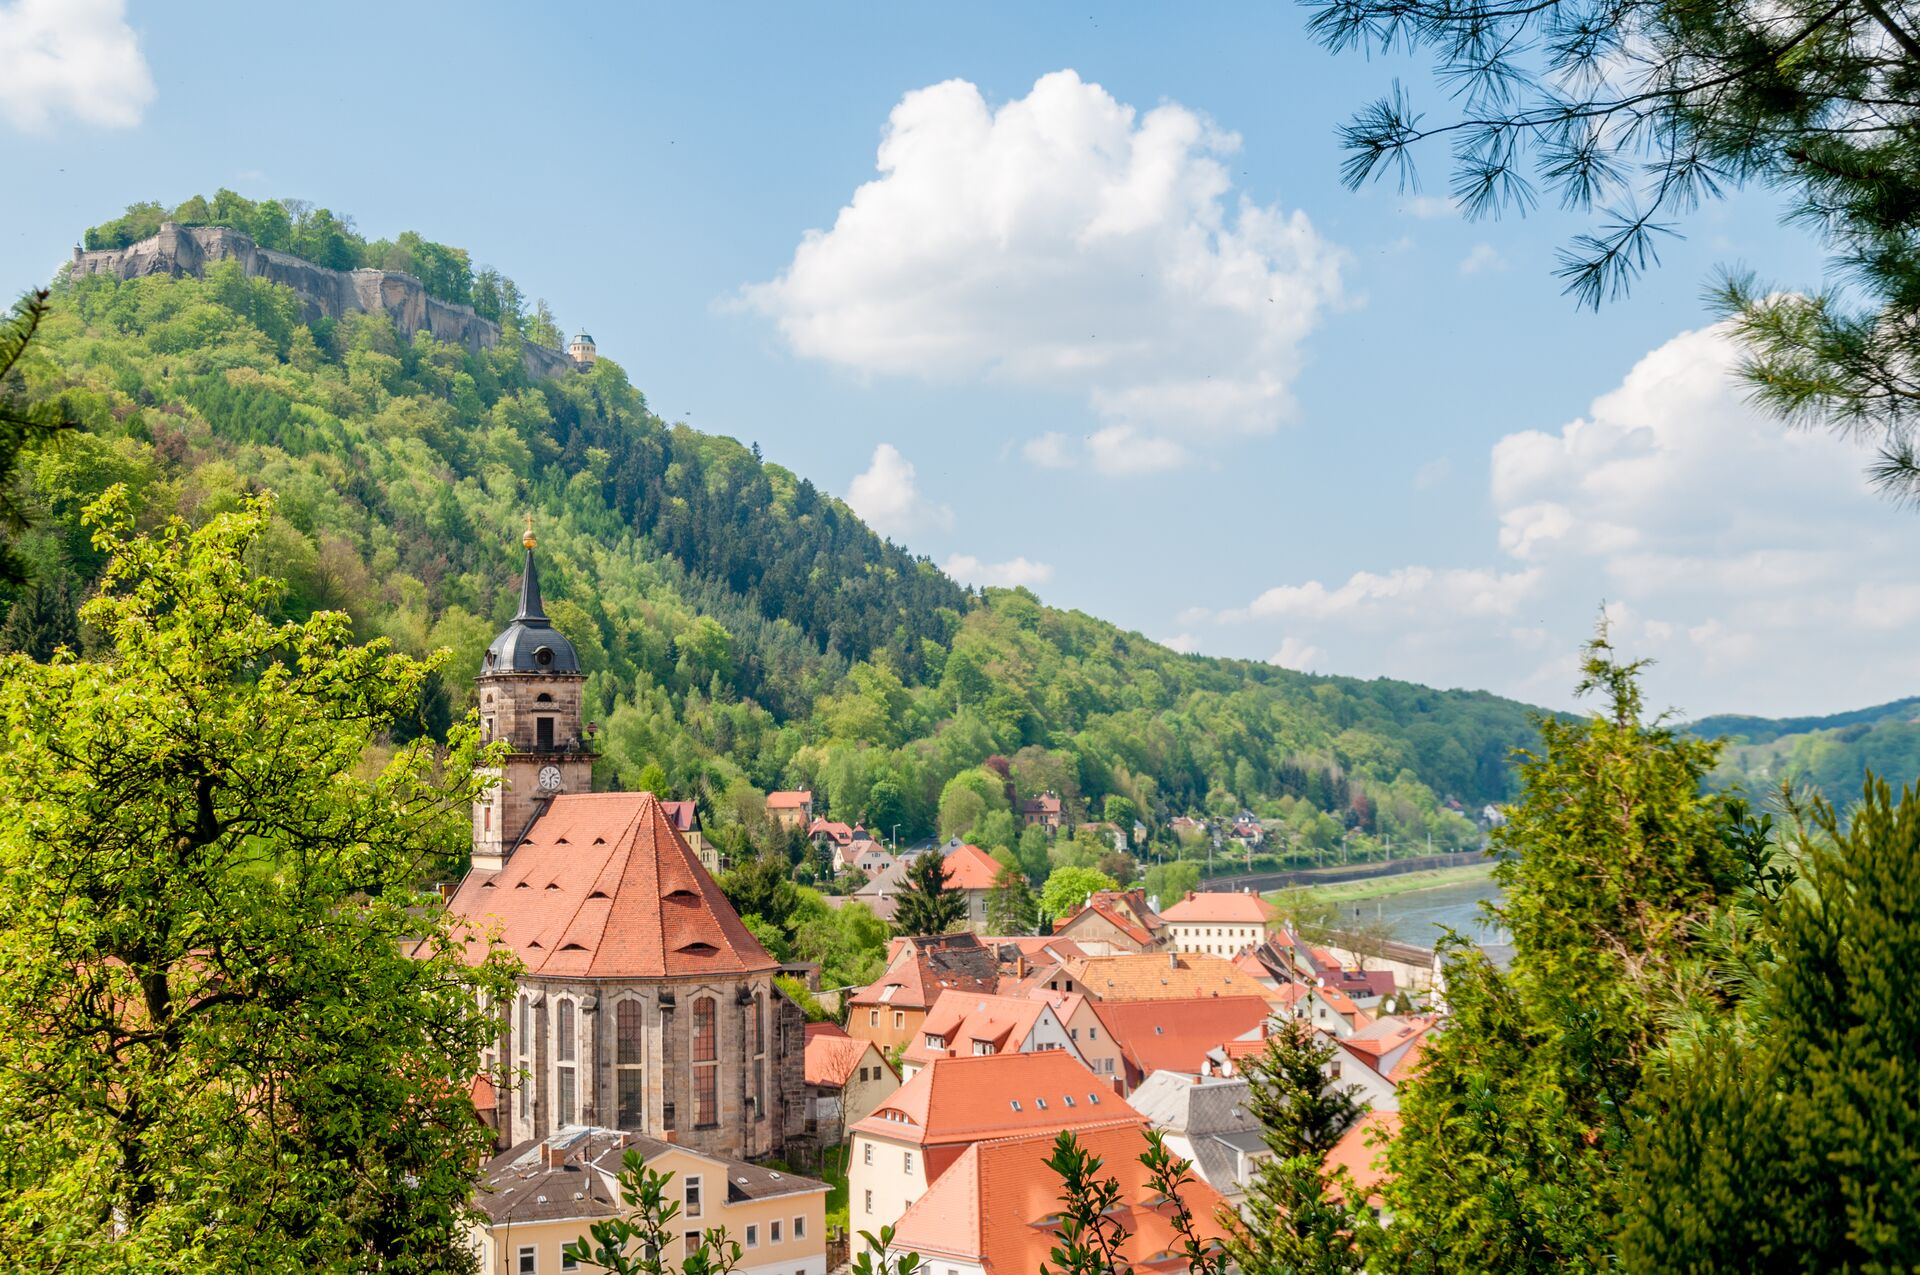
(743, 630)
(1833, 753)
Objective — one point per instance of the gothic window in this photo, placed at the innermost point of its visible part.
(757, 1043)
(706, 1064)
(566, 1082)
(523, 1050)
(629, 1053)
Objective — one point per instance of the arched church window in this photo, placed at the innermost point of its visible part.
(523, 1053)
(706, 1063)
(566, 1082)
(757, 1042)
(629, 1057)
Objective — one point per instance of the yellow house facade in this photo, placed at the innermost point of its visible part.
(541, 1196)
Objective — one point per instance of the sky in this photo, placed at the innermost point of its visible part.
(1069, 297)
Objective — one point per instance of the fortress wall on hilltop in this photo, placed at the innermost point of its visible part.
(189, 250)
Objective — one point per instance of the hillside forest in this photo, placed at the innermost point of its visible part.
(742, 630)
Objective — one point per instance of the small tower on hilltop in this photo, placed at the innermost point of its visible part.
(530, 687)
(583, 351)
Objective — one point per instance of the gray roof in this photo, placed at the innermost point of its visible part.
(530, 644)
(744, 1181)
(1181, 1104)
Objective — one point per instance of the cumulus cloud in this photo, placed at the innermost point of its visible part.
(1749, 560)
(1297, 655)
(1050, 450)
(1066, 240)
(887, 496)
(1014, 573)
(75, 58)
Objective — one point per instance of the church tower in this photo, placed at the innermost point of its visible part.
(530, 685)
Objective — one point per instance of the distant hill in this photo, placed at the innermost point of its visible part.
(1831, 753)
(742, 629)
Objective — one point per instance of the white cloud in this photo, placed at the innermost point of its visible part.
(1014, 573)
(1066, 240)
(1185, 643)
(1749, 560)
(1432, 474)
(1297, 655)
(1427, 207)
(1482, 258)
(1050, 450)
(71, 57)
(888, 499)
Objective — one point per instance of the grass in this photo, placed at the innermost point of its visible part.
(1386, 887)
(833, 1171)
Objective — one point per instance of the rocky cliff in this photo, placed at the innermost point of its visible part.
(189, 250)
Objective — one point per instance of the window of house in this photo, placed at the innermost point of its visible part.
(568, 1262)
(629, 1046)
(486, 818)
(868, 1201)
(690, 1241)
(899, 1018)
(866, 1153)
(907, 1162)
(690, 1202)
(706, 1064)
(799, 1228)
(773, 1232)
(529, 1260)
(753, 1236)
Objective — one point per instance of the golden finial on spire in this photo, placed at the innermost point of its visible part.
(527, 539)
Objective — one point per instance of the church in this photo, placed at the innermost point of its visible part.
(644, 1003)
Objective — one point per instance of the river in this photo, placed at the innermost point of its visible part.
(1418, 916)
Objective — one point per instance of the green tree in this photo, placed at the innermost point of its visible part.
(926, 905)
(1011, 905)
(1120, 812)
(1296, 1225)
(1031, 852)
(1512, 1136)
(1637, 110)
(25, 421)
(1791, 1146)
(1171, 882)
(43, 619)
(1067, 889)
(635, 1243)
(209, 890)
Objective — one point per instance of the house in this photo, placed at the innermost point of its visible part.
(1187, 826)
(889, 1010)
(1176, 1035)
(1164, 976)
(1219, 923)
(1113, 922)
(974, 1024)
(829, 835)
(995, 1211)
(920, 1130)
(1040, 812)
(1361, 1154)
(972, 871)
(1209, 1123)
(1332, 1011)
(1098, 1049)
(846, 1080)
(541, 1195)
(1111, 833)
(868, 856)
(1377, 1058)
(685, 818)
(790, 810)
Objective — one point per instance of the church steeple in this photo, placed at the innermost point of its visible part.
(530, 582)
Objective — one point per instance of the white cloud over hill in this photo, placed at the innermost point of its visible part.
(75, 58)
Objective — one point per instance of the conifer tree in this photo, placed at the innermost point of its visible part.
(1298, 1223)
(24, 422)
(926, 905)
(1796, 1146)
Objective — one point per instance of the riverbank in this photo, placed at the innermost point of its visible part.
(1385, 887)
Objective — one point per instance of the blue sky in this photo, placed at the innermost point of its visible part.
(1415, 459)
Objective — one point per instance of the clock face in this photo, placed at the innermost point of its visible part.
(549, 779)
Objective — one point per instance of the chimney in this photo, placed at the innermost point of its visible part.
(1173, 960)
(552, 1154)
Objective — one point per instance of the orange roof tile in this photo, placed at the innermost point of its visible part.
(824, 1029)
(1221, 907)
(921, 968)
(1176, 1035)
(961, 1100)
(1366, 1163)
(970, 868)
(964, 1019)
(1152, 976)
(832, 1060)
(788, 800)
(604, 887)
(991, 1208)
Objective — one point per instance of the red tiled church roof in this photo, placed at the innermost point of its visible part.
(604, 887)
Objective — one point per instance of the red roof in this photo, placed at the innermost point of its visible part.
(1176, 1035)
(603, 887)
(824, 1029)
(970, 868)
(832, 1060)
(683, 815)
(1220, 907)
(960, 1100)
(993, 1207)
(967, 1019)
(920, 968)
(839, 832)
(789, 800)
(1366, 1163)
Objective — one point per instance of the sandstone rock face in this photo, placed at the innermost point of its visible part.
(189, 250)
